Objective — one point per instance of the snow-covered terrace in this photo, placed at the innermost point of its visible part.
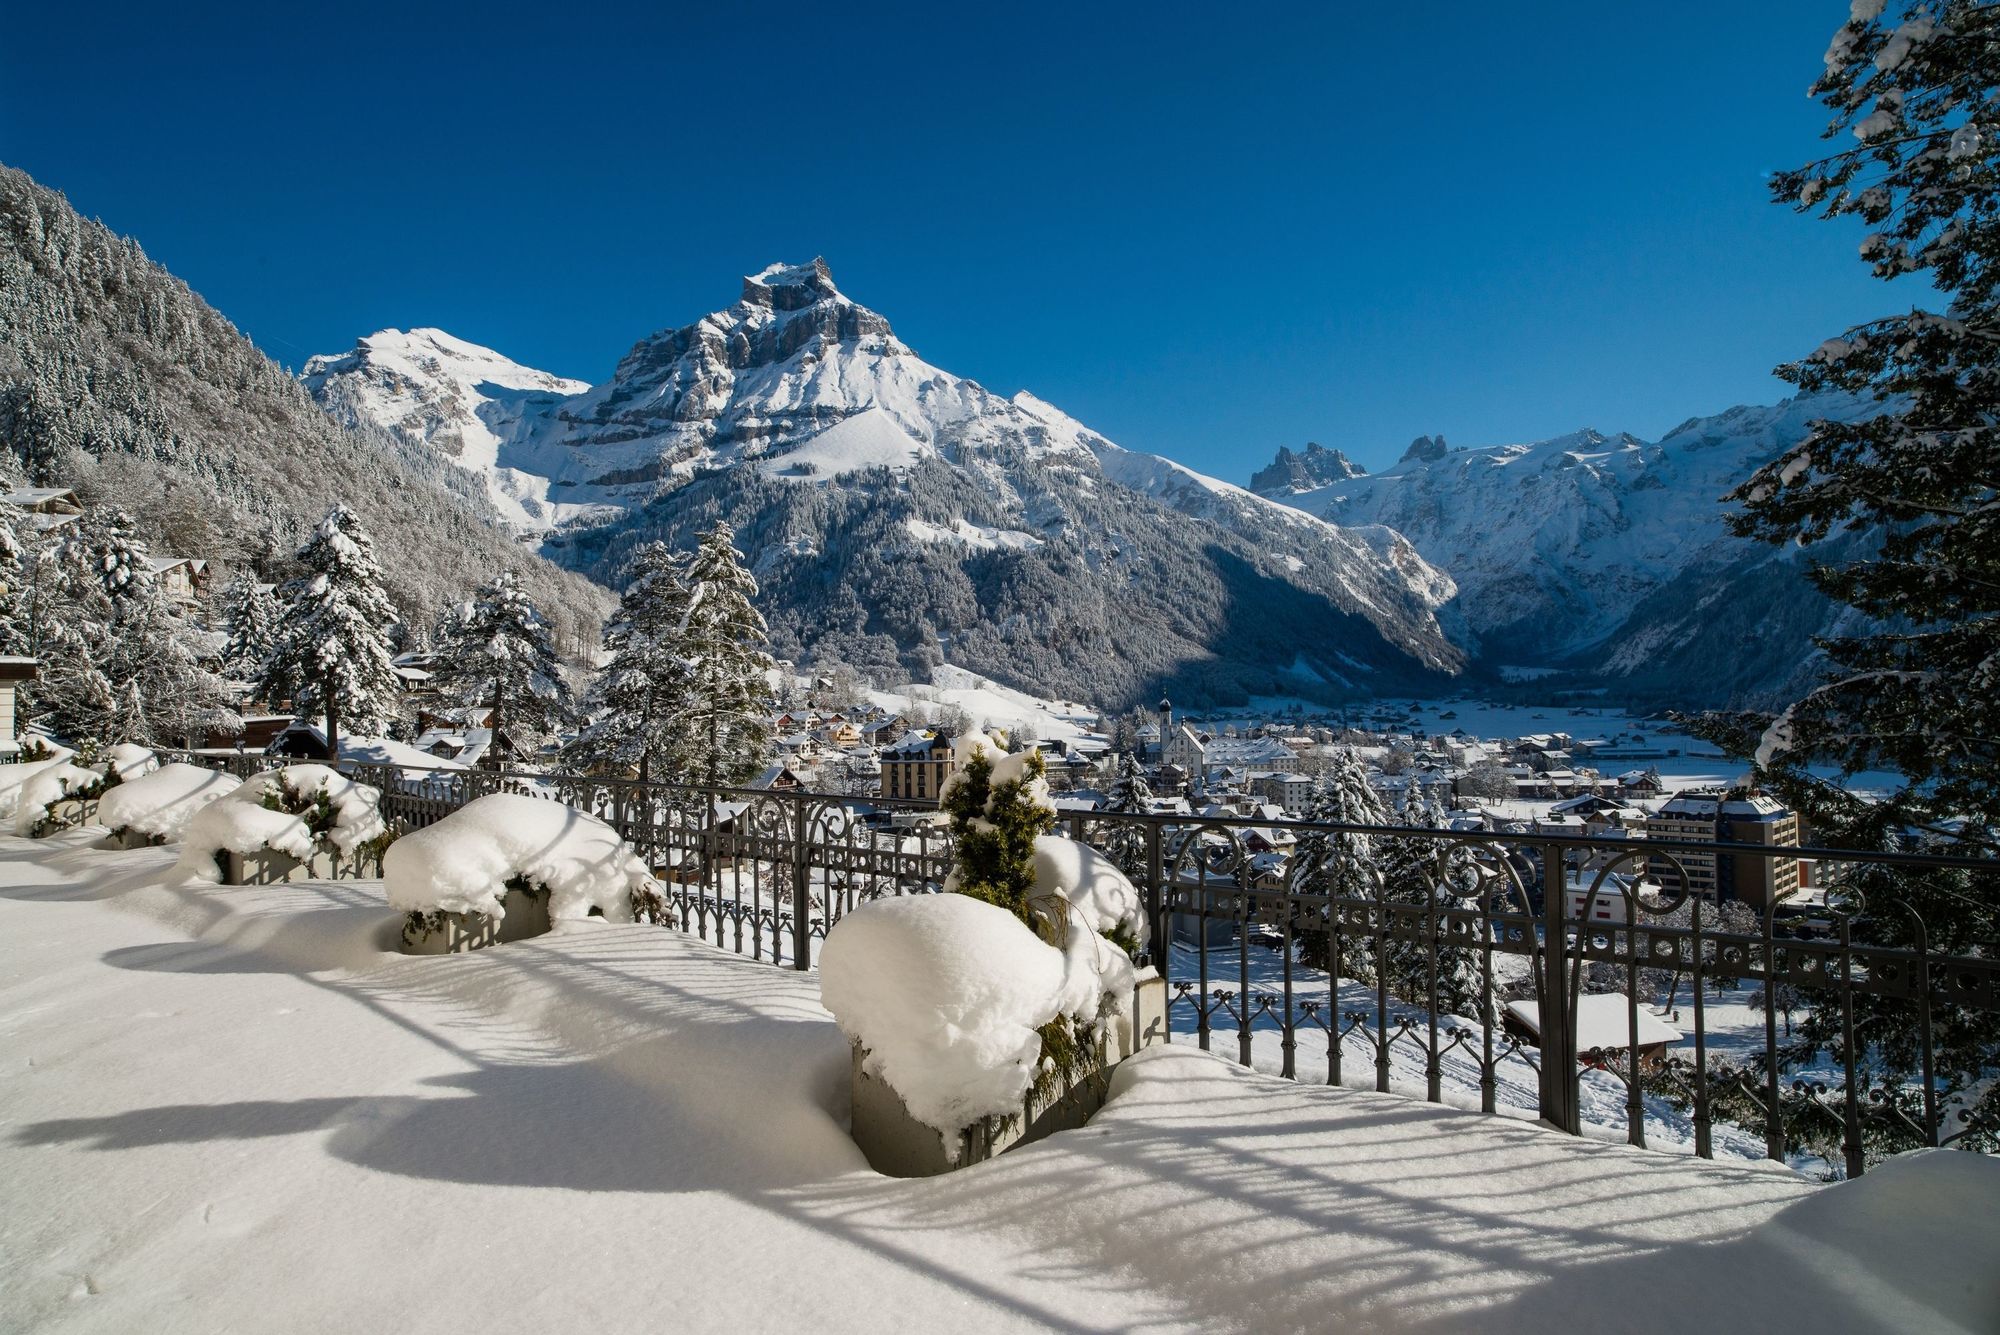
(232, 1109)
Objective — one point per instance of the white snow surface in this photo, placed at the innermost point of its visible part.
(478, 1144)
(238, 822)
(945, 993)
(162, 803)
(462, 863)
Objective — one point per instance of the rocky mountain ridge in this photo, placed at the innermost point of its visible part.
(899, 514)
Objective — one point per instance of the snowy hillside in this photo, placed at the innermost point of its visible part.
(1609, 554)
(456, 397)
(118, 380)
(891, 508)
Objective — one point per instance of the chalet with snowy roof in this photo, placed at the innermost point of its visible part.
(256, 735)
(181, 578)
(915, 768)
(1600, 814)
(43, 508)
(1641, 784)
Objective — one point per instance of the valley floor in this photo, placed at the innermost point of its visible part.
(232, 1109)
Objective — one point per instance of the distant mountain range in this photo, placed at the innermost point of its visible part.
(1590, 561)
(898, 514)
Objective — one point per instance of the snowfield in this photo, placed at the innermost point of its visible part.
(233, 1110)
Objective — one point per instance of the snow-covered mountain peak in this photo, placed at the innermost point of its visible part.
(791, 287)
(1006, 528)
(461, 399)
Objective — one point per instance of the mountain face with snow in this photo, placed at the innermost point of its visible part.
(1315, 466)
(462, 400)
(1607, 557)
(897, 513)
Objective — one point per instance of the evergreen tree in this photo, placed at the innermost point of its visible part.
(727, 722)
(1130, 794)
(332, 650)
(119, 662)
(1421, 873)
(638, 703)
(250, 618)
(1340, 864)
(1129, 791)
(1916, 688)
(498, 651)
(995, 819)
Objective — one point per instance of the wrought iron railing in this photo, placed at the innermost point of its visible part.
(1412, 987)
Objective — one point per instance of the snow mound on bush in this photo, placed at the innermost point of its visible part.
(1100, 899)
(462, 864)
(13, 778)
(160, 804)
(239, 822)
(946, 994)
(52, 781)
(129, 760)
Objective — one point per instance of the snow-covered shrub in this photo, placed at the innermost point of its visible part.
(467, 862)
(37, 755)
(53, 783)
(128, 760)
(157, 806)
(949, 997)
(299, 810)
(939, 995)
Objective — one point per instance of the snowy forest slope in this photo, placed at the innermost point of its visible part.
(119, 381)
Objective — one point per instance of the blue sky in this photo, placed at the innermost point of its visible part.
(1204, 230)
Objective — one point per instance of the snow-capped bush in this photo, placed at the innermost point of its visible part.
(948, 996)
(14, 778)
(468, 861)
(966, 1012)
(159, 805)
(128, 760)
(298, 810)
(53, 782)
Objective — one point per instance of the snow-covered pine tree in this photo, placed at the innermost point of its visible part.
(1341, 864)
(332, 650)
(1417, 873)
(1129, 791)
(119, 662)
(728, 730)
(1130, 794)
(1915, 690)
(499, 653)
(250, 614)
(638, 702)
